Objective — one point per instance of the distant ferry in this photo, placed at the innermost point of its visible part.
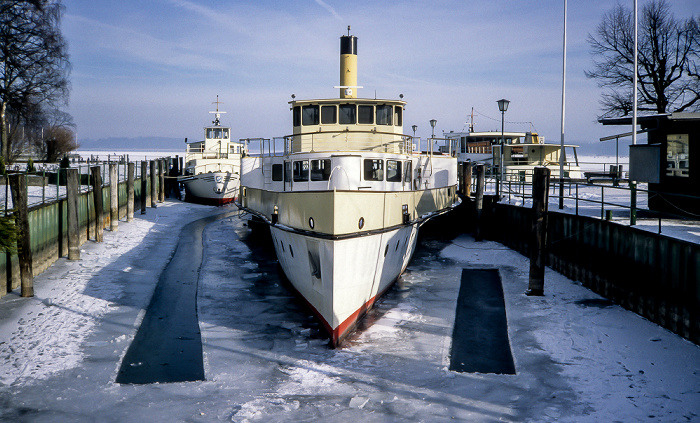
(212, 166)
(522, 152)
(344, 196)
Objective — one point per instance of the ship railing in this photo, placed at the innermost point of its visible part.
(441, 146)
(369, 140)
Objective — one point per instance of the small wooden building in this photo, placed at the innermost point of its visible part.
(669, 162)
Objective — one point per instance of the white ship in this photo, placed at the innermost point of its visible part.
(345, 195)
(212, 166)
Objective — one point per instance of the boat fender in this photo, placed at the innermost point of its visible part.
(416, 183)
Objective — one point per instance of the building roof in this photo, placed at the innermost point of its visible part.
(627, 120)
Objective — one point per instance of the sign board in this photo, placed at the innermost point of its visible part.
(645, 163)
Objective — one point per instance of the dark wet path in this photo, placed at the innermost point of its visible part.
(168, 345)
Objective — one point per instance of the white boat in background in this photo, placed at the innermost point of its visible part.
(344, 197)
(522, 152)
(212, 166)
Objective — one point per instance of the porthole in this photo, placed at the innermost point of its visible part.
(361, 223)
(311, 222)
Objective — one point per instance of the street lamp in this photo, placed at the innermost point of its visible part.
(433, 122)
(502, 106)
(414, 127)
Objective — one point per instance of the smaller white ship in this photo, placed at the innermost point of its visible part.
(212, 166)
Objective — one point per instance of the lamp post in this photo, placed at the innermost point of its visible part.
(414, 127)
(433, 122)
(502, 106)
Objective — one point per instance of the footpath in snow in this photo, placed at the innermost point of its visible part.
(578, 357)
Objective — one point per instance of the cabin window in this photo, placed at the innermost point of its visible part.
(374, 170)
(347, 114)
(393, 171)
(328, 115)
(320, 170)
(384, 116)
(309, 115)
(217, 133)
(277, 171)
(287, 171)
(365, 114)
(301, 171)
(408, 172)
(677, 155)
(296, 116)
(225, 133)
(398, 116)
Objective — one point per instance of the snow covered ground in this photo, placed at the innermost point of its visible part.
(578, 357)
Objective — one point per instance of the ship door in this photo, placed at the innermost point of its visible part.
(287, 176)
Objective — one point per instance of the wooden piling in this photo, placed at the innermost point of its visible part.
(480, 180)
(72, 194)
(144, 185)
(113, 197)
(540, 193)
(97, 198)
(467, 178)
(18, 184)
(154, 195)
(130, 192)
(161, 180)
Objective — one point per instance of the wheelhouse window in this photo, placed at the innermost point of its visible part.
(287, 171)
(365, 114)
(328, 115)
(374, 170)
(296, 116)
(217, 133)
(398, 116)
(309, 115)
(393, 171)
(347, 114)
(320, 170)
(301, 171)
(384, 115)
(277, 171)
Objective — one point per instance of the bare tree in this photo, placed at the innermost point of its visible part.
(668, 50)
(34, 64)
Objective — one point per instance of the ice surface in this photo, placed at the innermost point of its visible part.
(578, 358)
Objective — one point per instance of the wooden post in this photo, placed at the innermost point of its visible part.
(113, 197)
(144, 186)
(97, 198)
(480, 180)
(130, 192)
(161, 180)
(154, 195)
(540, 194)
(467, 178)
(18, 183)
(72, 194)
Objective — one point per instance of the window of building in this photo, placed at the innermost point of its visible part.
(320, 170)
(677, 160)
(328, 115)
(301, 171)
(393, 171)
(347, 114)
(374, 170)
(384, 115)
(309, 115)
(365, 114)
(277, 171)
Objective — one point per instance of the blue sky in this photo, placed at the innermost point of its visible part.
(154, 67)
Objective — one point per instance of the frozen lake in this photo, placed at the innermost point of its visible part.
(578, 357)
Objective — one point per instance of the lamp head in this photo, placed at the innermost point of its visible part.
(503, 104)
(433, 122)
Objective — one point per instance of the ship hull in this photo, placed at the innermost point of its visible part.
(215, 188)
(340, 279)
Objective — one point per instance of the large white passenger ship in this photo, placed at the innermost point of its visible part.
(212, 166)
(344, 196)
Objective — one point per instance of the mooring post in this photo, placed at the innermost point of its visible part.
(130, 191)
(144, 185)
(154, 195)
(97, 198)
(113, 197)
(467, 178)
(72, 209)
(633, 203)
(18, 184)
(161, 180)
(480, 179)
(540, 194)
